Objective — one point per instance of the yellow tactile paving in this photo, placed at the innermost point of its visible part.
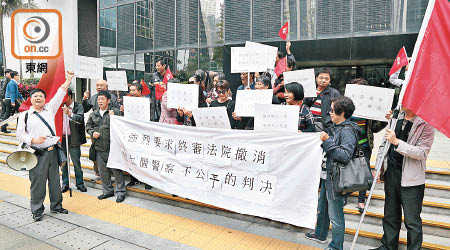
(183, 230)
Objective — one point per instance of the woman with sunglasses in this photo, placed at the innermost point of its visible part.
(224, 100)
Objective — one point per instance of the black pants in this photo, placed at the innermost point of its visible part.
(398, 197)
(8, 111)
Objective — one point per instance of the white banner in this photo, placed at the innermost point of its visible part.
(267, 174)
(117, 80)
(136, 108)
(370, 102)
(272, 117)
(182, 95)
(88, 67)
(212, 117)
(246, 100)
(305, 77)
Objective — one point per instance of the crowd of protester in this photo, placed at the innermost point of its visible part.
(328, 113)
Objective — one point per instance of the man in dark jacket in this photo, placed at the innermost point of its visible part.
(75, 134)
(321, 105)
(98, 127)
(3, 85)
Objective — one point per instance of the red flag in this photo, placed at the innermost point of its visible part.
(281, 66)
(284, 31)
(401, 60)
(168, 75)
(160, 88)
(145, 89)
(428, 91)
(50, 83)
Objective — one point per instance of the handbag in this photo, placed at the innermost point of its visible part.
(62, 158)
(92, 153)
(353, 176)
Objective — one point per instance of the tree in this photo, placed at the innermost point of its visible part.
(6, 9)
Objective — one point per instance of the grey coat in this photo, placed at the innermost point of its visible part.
(415, 151)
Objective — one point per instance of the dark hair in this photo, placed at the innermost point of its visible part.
(8, 71)
(104, 93)
(36, 91)
(223, 84)
(323, 71)
(162, 61)
(200, 75)
(291, 63)
(173, 80)
(70, 93)
(13, 73)
(138, 86)
(296, 89)
(266, 74)
(280, 54)
(343, 104)
(264, 79)
(360, 81)
(221, 76)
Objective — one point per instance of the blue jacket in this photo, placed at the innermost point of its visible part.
(340, 147)
(12, 91)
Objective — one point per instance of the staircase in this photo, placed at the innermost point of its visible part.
(435, 212)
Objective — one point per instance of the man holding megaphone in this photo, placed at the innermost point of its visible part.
(36, 132)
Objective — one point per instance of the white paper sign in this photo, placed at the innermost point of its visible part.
(247, 59)
(256, 182)
(117, 80)
(137, 108)
(266, 53)
(269, 117)
(246, 100)
(370, 102)
(182, 95)
(88, 67)
(305, 77)
(213, 117)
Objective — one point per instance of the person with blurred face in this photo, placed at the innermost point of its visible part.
(184, 116)
(294, 95)
(98, 127)
(212, 94)
(91, 103)
(12, 95)
(245, 81)
(223, 90)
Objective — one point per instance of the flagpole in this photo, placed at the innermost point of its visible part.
(66, 121)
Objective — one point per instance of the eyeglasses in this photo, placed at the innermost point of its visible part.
(191, 82)
(221, 92)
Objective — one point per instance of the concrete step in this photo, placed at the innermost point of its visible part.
(433, 224)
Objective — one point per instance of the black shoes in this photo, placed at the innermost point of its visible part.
(82, 188)
(6, 131)
(132, 183)
(105, 196)
(148, 187)
(64, 189)
(59, 211)
(120, 198)
(313, 236)
(37, 216)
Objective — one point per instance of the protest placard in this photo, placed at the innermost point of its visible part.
(270, 117)
(246, 100)
(117, 80)
(370, 102)
(88, 67)
(213, 117)
(305, 77)
(136, 108)
(182, 95)
(266, 53)
(247, 59)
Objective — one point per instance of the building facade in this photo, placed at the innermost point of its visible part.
(355, 38)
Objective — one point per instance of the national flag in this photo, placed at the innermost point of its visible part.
(428, 90)
(401, 60)
(281, 66)
(160, 88)
(50, 83)
(284, 31)
(168, 75)
(145, 89)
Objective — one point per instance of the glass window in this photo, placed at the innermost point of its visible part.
(143, 20)
(164, 32)
(187, 23)
(107, 3)
(187, 63)
(211, 59)
(109, 62)
(125, 28)
(266, 21)
(333, 18)
(126, 62)
(237, 21)
(108, 31)
(211, 22)
(408, 15)
(372, 17)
